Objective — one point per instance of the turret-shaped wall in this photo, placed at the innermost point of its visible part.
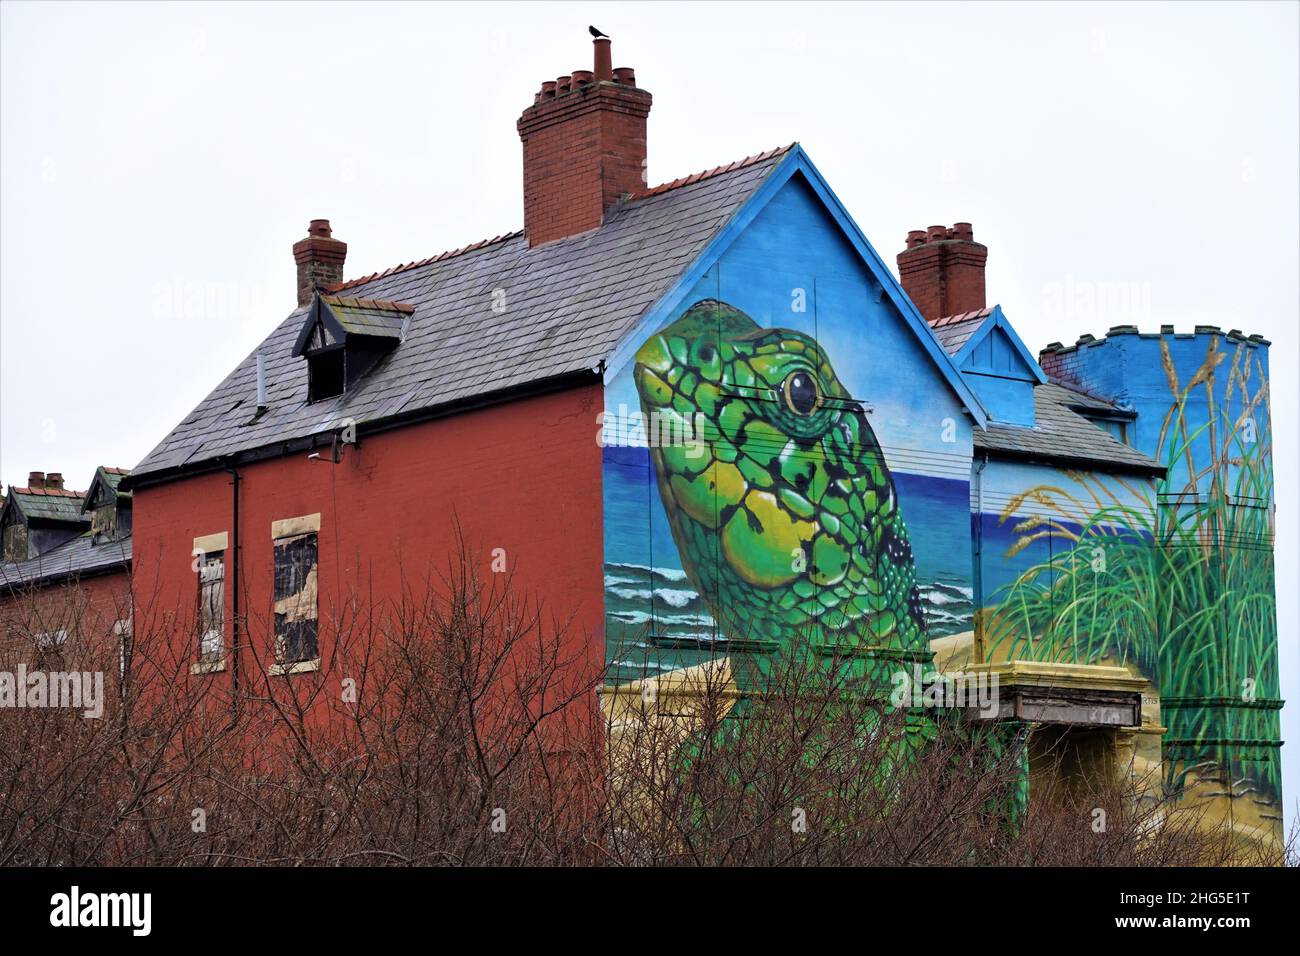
(1202, 407)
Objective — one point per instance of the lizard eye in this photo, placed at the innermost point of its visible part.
(800, 392)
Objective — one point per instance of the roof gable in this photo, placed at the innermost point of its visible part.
(992, 347)
(104, 488)
(796, 163)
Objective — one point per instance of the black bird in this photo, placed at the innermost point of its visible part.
(596, 33)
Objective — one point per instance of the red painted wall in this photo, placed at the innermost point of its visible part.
(523, 476)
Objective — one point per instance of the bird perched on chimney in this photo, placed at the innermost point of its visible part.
(596, 33)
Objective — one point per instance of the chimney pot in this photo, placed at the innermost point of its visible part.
(562, 85)
(54, 480)
(602, 60)
(942, 270)
(319, 258)
(36, 479)
(581, 78)
(625, 75)
(548, 89)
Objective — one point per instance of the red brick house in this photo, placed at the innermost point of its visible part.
(462, 389)
(66, 563)
(878, 457)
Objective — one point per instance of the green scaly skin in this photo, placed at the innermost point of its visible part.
(788, 521)
(785, 516)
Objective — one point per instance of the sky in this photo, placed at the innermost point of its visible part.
(1125, 164)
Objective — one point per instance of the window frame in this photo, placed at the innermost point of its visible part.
(295, 594)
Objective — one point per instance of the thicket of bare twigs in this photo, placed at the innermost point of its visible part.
(464, 725)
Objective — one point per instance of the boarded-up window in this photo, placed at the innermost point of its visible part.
(295, 599)
(212, 606)
(15, 541)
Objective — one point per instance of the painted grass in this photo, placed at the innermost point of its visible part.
(1180, 583)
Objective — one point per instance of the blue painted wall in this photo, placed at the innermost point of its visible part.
(792, 268)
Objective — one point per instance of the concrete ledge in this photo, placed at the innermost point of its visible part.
(1080, 695)
(297, 667)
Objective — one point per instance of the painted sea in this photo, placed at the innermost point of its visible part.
(663, 600)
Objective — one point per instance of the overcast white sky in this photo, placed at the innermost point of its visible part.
(1124, 164)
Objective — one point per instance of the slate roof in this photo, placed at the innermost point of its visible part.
(80, 557)
(560, 309)
(954, 331)
(368, 316)
(1062, 436)
(110, 478)
(49, 504)
(347, 315)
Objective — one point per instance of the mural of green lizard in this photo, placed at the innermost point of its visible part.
(784, 512)
(783, 509)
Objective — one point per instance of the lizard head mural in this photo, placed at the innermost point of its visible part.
(783, 511)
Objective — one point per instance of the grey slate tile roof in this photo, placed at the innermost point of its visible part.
(1064, 436)
(80, 557)
(954, 331)
(50, 504)
(565, 304)
(368, 316)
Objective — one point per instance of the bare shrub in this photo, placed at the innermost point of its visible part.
(460, 725)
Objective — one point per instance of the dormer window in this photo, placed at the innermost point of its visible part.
(1114, 425)
(109, 507)
(325, 373)
(344, 338)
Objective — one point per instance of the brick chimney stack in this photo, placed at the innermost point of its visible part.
(319, 258)
(584, 147)
(942, 270)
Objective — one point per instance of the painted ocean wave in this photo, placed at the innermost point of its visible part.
(638, 596)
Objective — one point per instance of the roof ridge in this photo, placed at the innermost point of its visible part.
(710, 173)
(378, 305)
(1080, 390)
(336, 287)
(50, 492)
(332, 288)
(959, 317)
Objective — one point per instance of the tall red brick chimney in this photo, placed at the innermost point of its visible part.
(942, 270)
(584, 146)
(319, 258)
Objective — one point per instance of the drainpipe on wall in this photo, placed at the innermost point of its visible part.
(234, 595)
(978, 536)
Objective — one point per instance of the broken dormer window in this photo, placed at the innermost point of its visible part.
(109, 507)
(344, 338)
(325, 373)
